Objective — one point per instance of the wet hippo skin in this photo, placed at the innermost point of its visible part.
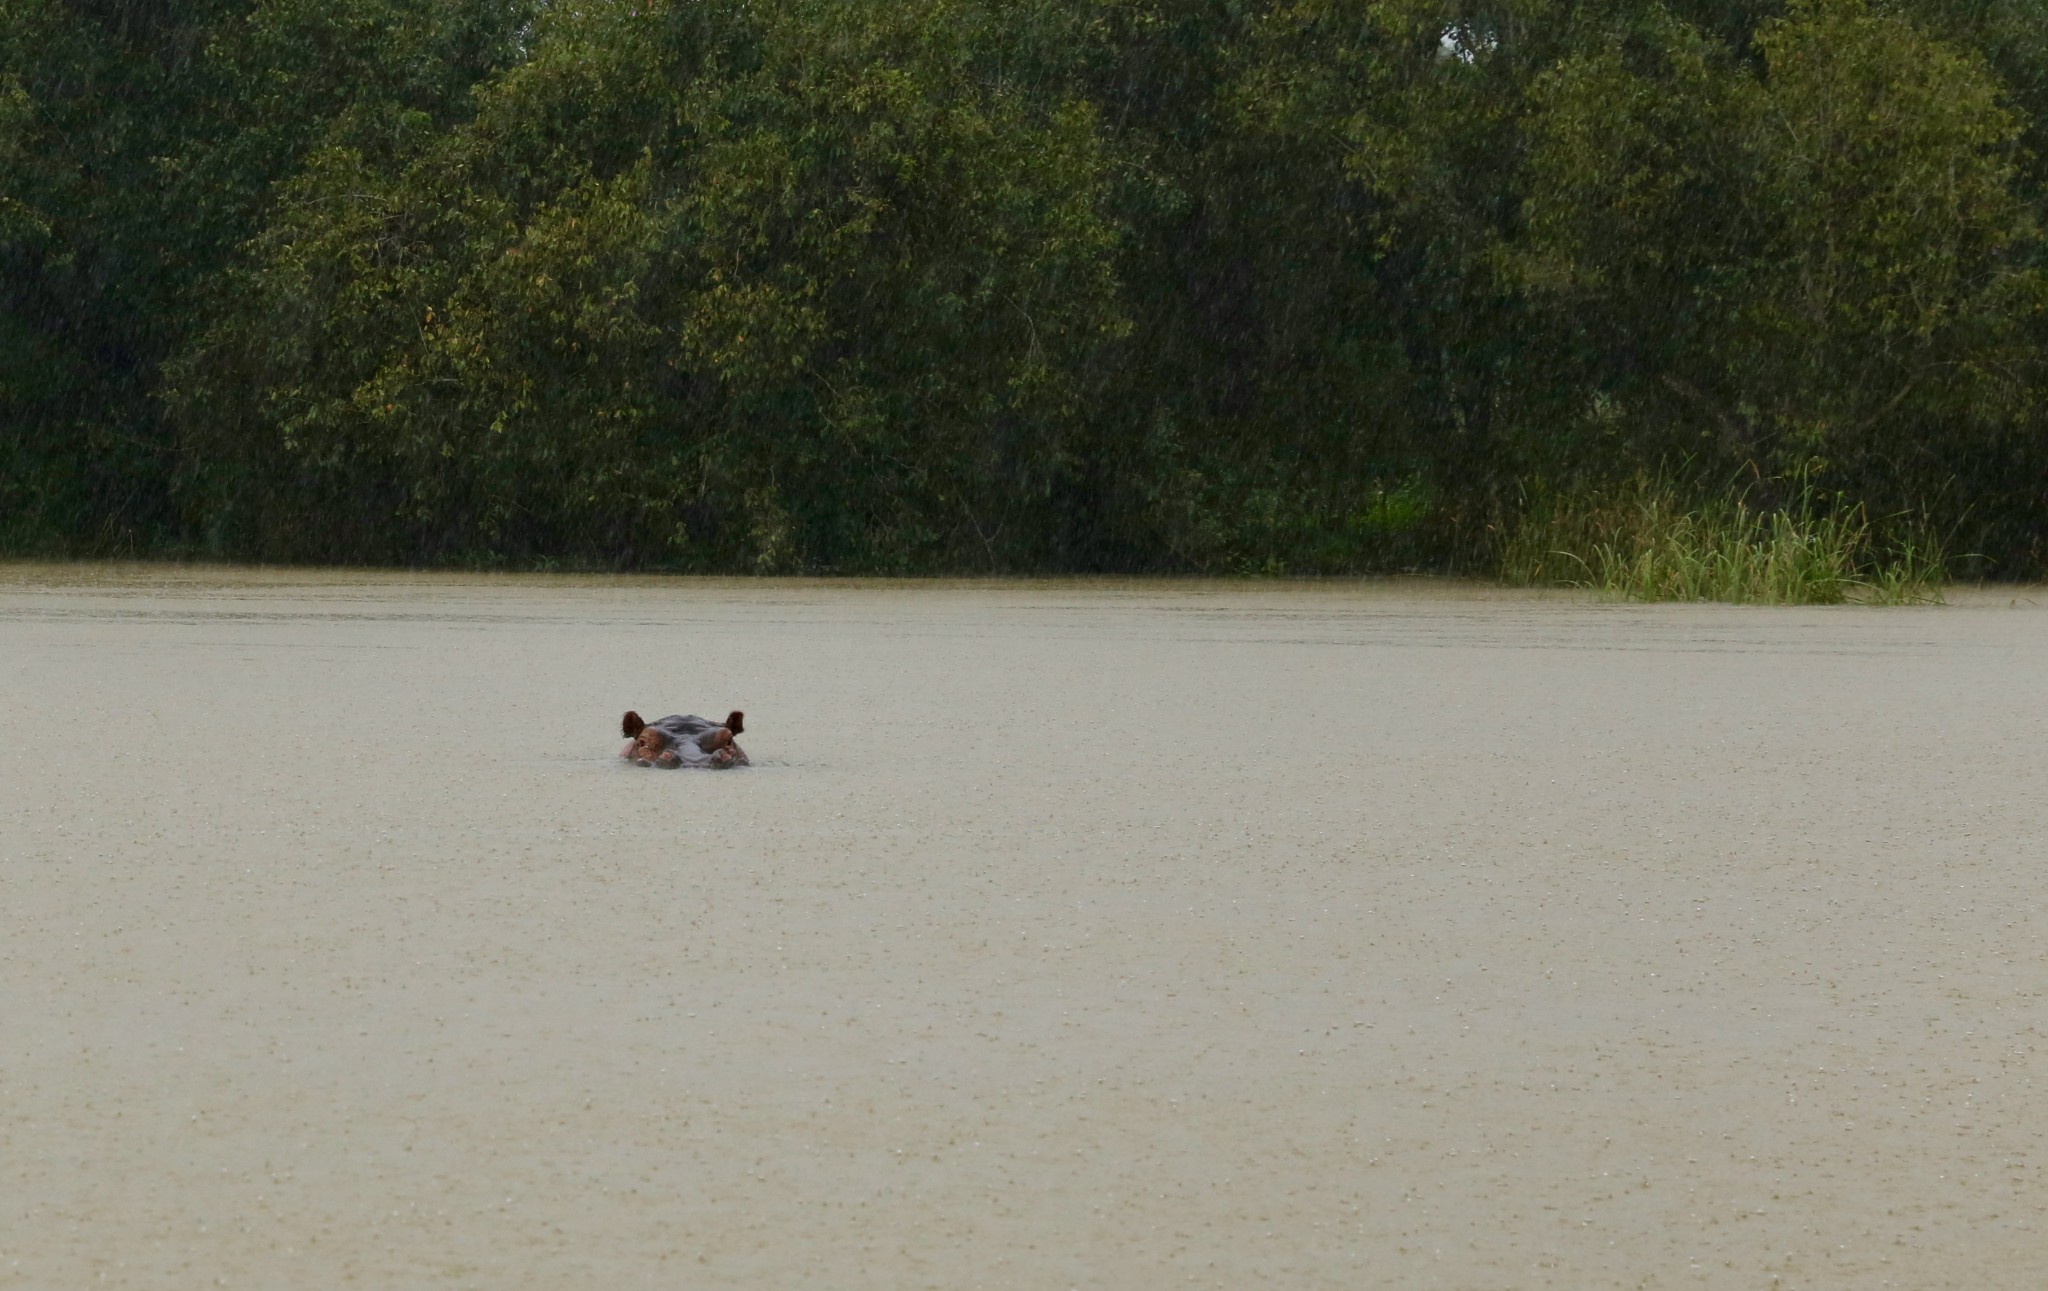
(676, 742)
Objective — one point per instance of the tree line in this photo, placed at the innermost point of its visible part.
(1311, 286)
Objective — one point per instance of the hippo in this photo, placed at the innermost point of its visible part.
(680, 741)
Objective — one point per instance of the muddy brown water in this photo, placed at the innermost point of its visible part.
(1116, 935)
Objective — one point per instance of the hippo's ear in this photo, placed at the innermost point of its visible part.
(734, 721)
(631, 724)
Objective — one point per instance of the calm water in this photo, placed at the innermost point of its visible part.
(1064, 934)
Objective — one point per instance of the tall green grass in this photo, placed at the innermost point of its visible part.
(1645, 541)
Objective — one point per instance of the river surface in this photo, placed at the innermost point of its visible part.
(1096, 934)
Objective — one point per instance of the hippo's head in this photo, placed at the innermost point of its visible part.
(683, 741)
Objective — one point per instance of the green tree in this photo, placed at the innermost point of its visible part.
(90, 95)
(138, 145)
(1821, 259)
(701, 285)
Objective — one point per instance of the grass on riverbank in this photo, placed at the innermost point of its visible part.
(1644, 542)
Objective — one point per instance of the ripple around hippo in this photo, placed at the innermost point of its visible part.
(678, 741)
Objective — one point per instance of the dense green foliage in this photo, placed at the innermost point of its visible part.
(921, 285)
